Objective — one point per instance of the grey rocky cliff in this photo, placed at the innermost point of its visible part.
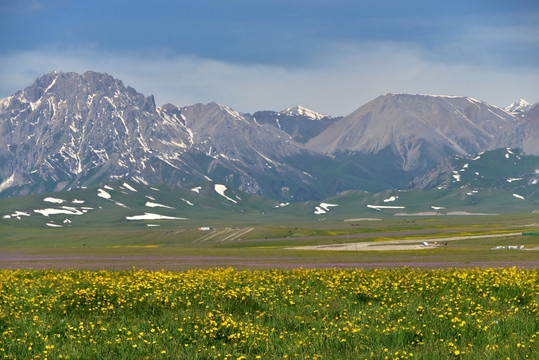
(524, 135)
(420, 130)
(68, 130)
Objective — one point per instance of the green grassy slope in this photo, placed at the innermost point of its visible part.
(204, 206)
(501, 169)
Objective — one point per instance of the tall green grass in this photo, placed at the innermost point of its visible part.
(273, 314)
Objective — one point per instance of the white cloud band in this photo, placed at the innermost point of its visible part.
(340, 80)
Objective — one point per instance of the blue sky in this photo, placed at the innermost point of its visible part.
(329, 55)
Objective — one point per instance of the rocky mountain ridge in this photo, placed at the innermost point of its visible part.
(67, 131)
(419, 130)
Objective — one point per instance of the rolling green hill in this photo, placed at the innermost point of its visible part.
(505, 169)
(131, 205)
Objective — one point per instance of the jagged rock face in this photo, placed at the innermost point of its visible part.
(530, 141)
(72, 129)
(237, 143)
(69, 130)
(525, 135)
(222, 130)
(420, 130)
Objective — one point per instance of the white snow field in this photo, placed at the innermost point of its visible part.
(102, 193)
(129, 187)
(323, 208)
(380, 207)
(54, 200)
(220, 189)
(153, 205)
(151, 216)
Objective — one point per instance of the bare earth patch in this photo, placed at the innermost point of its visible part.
(364, 219)
(395, 245)
(450, 213)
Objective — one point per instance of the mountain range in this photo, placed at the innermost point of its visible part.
(68, 131)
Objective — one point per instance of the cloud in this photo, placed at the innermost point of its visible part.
(342, 78)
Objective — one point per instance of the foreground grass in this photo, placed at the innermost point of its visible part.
(273, 314)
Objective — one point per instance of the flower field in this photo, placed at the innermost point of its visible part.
(274, 314)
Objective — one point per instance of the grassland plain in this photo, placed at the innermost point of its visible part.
(399, 313)
(177, 245)
(301, 304)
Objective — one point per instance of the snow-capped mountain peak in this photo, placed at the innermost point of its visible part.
(301, 111)
(520, 106)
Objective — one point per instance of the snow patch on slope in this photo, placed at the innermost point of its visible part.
(437, 207)
(53, 225)
(380, 207)
(323, 208)
(102, 193)
(187, 202)
(7, 183)
(153, 205)
(54, 200)
(66, 210)
(151, 216)
(129, 187)
(16, 214)
(220, 189)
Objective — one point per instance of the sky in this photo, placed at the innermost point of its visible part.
(331, 56)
